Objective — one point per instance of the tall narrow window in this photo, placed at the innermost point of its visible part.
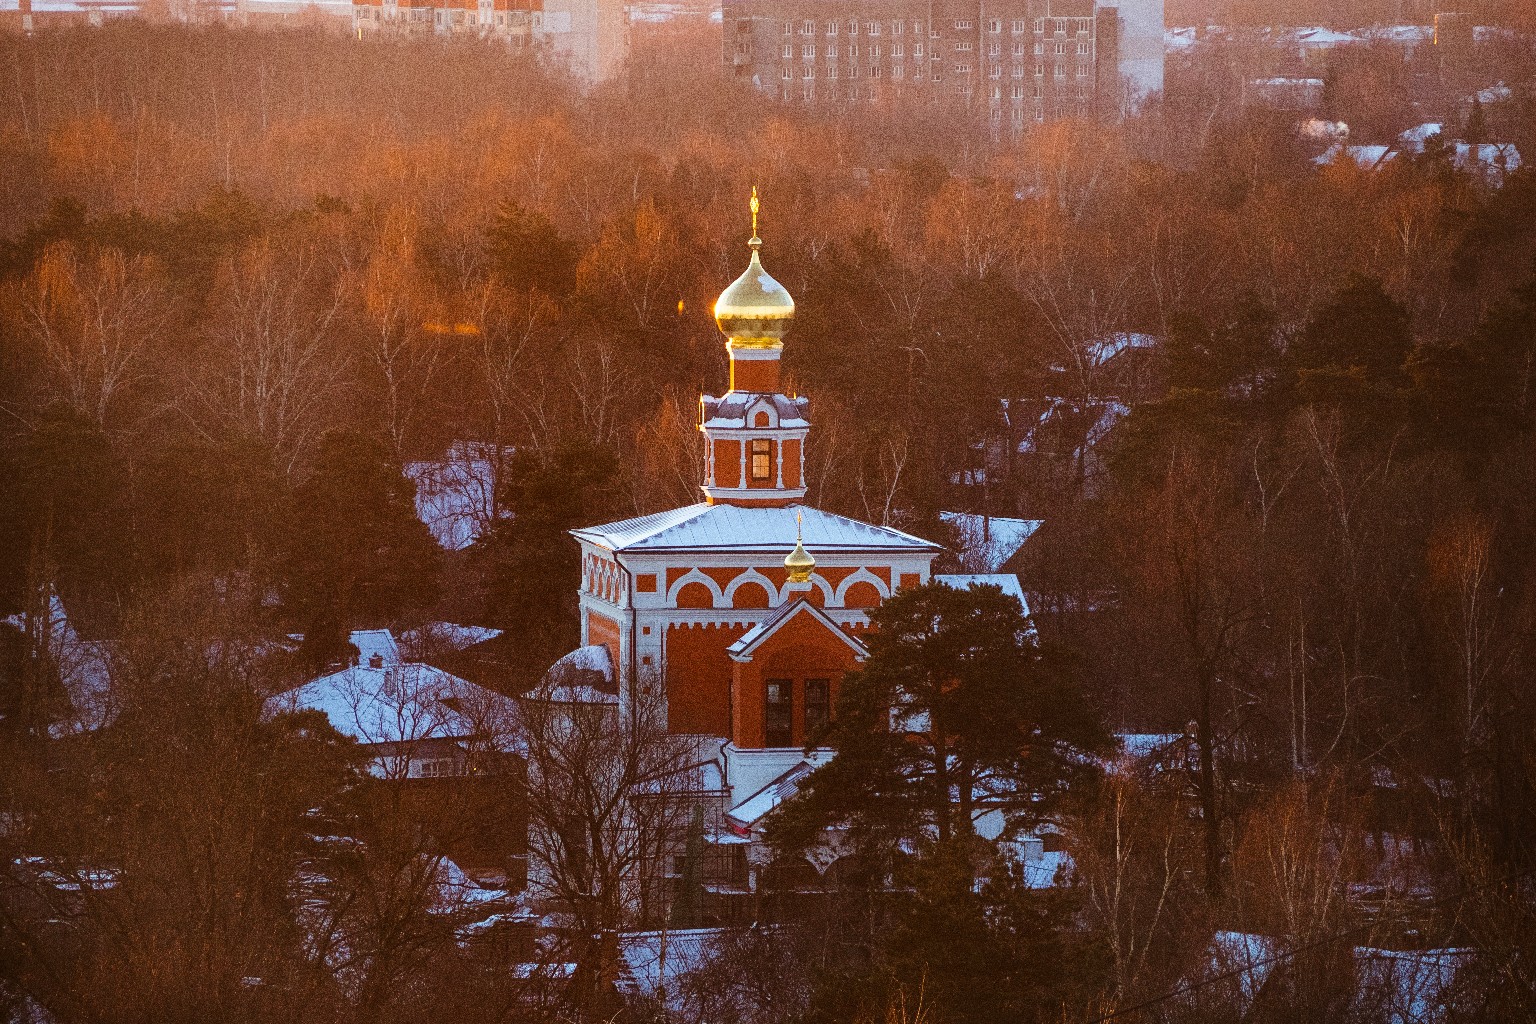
(760, 469)
(776, 713)
(818, 705)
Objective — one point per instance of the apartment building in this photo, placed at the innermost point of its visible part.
(1018, 61)
(591, 36)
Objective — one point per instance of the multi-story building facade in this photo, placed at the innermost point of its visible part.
(592, 36)
(1020, 61)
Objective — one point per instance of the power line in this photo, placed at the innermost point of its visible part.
(1327, 940)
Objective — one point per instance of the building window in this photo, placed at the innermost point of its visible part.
(874, 51)
(808, 51)
(962, 69)
(917, 50)
(777, 716)
(789, 50)
(1018, 92)
(897, 71)
(818, 705)
(995, 71)
(853, 72)
(788, 73)
(898, 27)
(789, 28)
(962, 47)
(1039, 70)
(831, 28)
(1082, 48)
(760, 449)
(853, 49)
(832, 51)
(1082, 71)
(871, 28)
(832, 72)
(808, 27)
(995, 25)
(898, 50)
(439, 768)
(875, 71)
(1019, 26)
(1061, 48)
(853, 28)
(962, 26)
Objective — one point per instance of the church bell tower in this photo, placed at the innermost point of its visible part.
(755, 434)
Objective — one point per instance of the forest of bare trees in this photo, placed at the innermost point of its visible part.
(247, 278)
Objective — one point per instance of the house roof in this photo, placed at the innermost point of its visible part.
(1007, 582)
(738, 528)
(731, 409)
(752, 639)
(745, 815)
(456, 495)
(991, 539)
(398, 703)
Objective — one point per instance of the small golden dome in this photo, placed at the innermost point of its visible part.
(799, 561)
(755, 310)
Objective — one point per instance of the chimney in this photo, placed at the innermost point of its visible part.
(375, 660)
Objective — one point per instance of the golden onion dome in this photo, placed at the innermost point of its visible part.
(755, 310)
(799, 561)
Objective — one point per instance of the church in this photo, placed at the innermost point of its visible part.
(749, 607)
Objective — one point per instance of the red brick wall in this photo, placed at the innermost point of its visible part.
(603, 630)
(803, 649)
(699, 678)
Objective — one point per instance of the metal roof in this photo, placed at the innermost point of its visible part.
(734, 527)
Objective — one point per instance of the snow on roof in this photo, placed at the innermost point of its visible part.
(1323, 37)
(745, 815)
(656, 961)
(1145, 744)
(744, 648)
(1367, 158)
(450, 635)
(401, 703)
(1042, 873)
(1246, 953)
(584, 676)
(1494, 94)
(1102, 350)
(990, 540)
(456, 495)
(457, 892)
(1415, 983)
(370, 642)
(731, 410)
(1414, 138)
(1180, 38)
(1007, 582)
(85, 671)
(1493, 159)
(721, 527)
(1319, 130)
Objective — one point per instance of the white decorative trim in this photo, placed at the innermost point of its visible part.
(882, 587)
(694, 576)
(750, 576)
(753, 355)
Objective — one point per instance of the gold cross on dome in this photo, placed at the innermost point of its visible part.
(755, 205)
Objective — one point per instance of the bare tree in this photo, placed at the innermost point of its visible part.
(607, 801)
(96, 315)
